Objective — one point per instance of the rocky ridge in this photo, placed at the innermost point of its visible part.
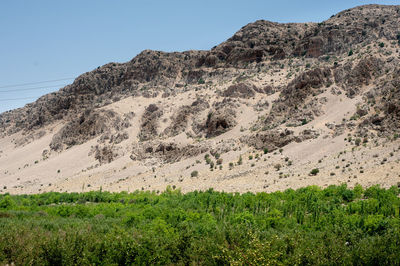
(268, 87)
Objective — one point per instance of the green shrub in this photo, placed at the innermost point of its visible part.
(314, 171)
(194, 174)
(313, 226)
(350, 52)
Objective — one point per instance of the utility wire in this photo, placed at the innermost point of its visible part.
(15, 99)
(36, 88)
(33, 83)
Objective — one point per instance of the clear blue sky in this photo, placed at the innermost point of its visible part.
(48, 40)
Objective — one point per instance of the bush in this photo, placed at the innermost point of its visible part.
(310, 225)
(357, 141)
(350, 53)
(194, 174)
(314, 171)
(6, 202)
(212, 165)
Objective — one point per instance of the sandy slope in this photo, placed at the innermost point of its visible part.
(25, 170)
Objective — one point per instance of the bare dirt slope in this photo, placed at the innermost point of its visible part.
(276, 106)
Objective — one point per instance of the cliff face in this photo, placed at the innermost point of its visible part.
(267, 87)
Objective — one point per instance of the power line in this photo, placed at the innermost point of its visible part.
(15, 99)
(33, 83)
(35, 88)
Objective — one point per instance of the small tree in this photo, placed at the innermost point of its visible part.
(357, 141)
(194, 174)
(351, 52)
(212, 165)
(314, 171)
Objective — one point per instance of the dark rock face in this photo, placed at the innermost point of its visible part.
(271, 140)
(352, 78)
(167, 152)
(149, 124)
(88, 125)
(305, 85)
(220, 119)
(105, 154)
(240, 90)
(262, 39)
(255, 42)
(386, 120)
(275, 139)
(160, 67)
(296, 95)
(348, 28)
(181, 119)
(194, 76)
(269, 90)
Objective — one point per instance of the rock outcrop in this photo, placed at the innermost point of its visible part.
(296, 104)
(149, 126)
(88, 125)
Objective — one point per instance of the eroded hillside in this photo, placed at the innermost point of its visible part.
(275, 106)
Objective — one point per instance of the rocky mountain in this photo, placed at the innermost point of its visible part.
(257, 112)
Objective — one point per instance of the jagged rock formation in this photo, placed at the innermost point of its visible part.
(270, 85)
(220, 119)
(275, 139)
(256, 42)
(167, 152)
(293, 100)
(262, 39)
(88, 125)
(181, 118)
(352, 78)
(240, 90)
(149, 124)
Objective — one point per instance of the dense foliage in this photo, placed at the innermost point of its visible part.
(335, 225)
